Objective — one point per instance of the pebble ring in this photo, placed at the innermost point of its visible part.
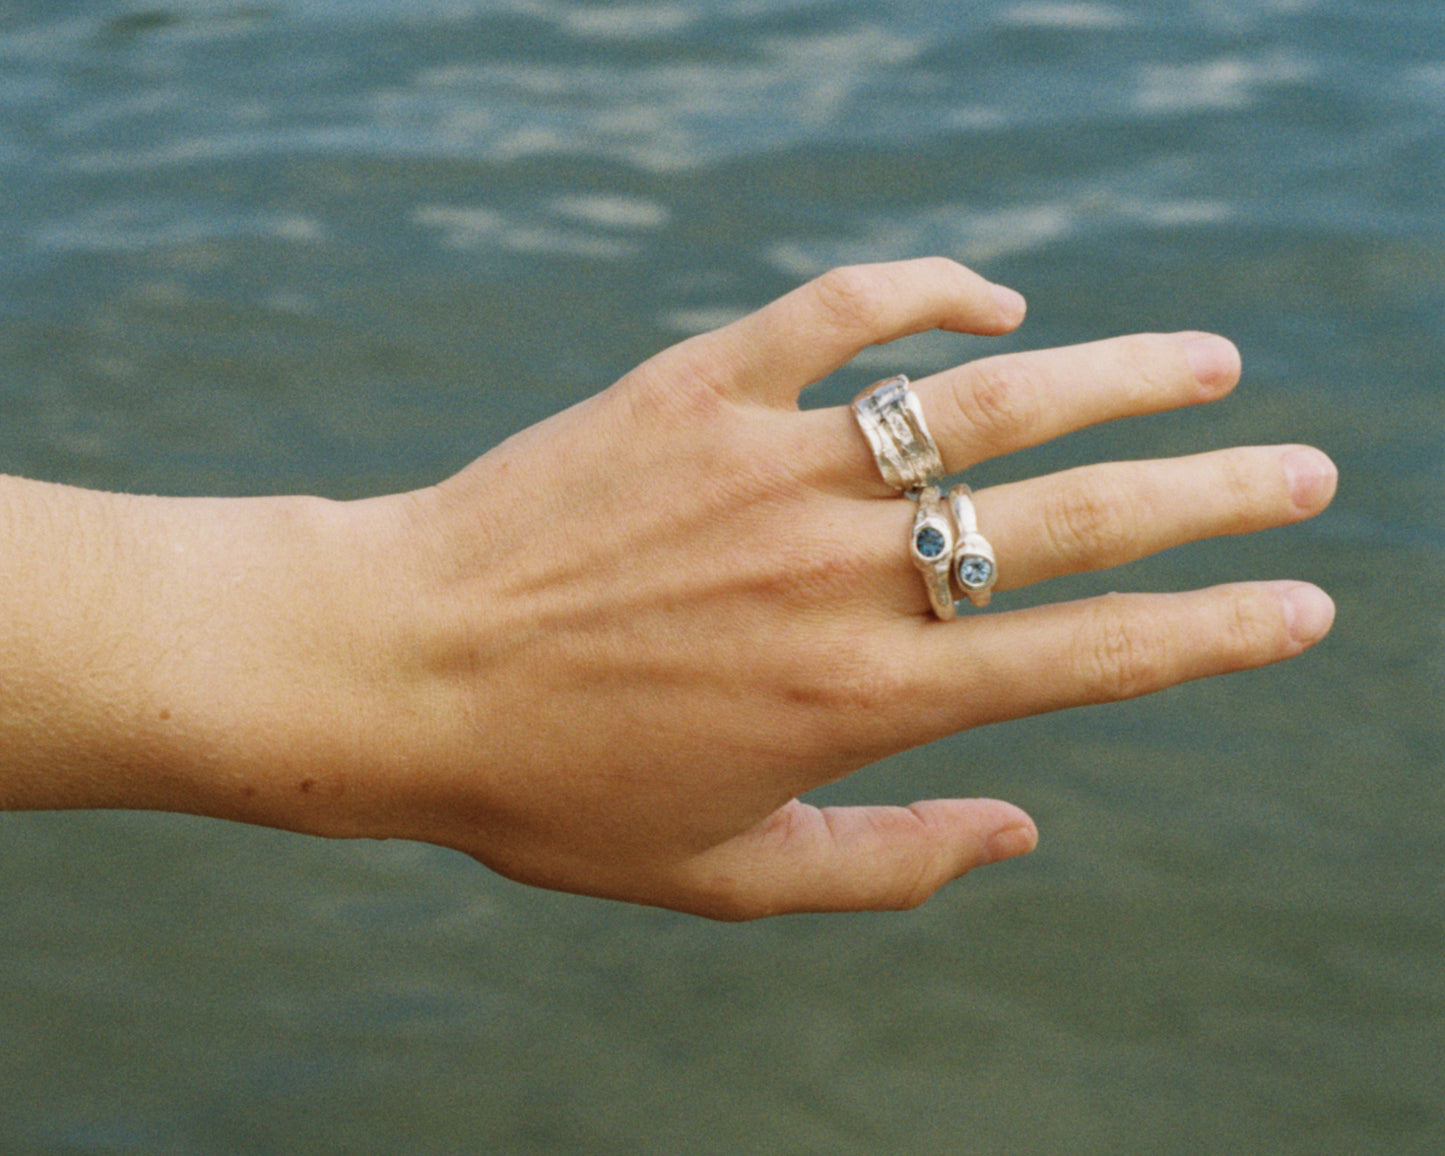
(932, 549)
(973, 562)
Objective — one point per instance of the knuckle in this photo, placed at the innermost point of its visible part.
(997, 402)
(816, 562)
(1120, 655)
(855, 297)
(730, 905)
(1238, 482)
(924, 882)
(1146, 355)
(1250, 624)
(692, 376)
(829, 577)
(1089, 522)
(1152, 361)
(902, 873)
(849, 685)
(803, 579)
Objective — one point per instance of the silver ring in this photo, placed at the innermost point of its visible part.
(973, 562)
(891, 418)
(932, 550)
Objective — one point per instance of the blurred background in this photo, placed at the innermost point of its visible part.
(344, 246)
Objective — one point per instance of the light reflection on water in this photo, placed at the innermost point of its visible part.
(344, 247)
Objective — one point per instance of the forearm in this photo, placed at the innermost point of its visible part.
(153, 651)
(73, 676)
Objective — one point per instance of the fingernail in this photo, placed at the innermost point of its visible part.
(1213, 360)
(1011, 303)
(1311, 478)
(1012, 842)
(1308, 613)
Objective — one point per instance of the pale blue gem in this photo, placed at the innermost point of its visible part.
(975, 571)
(929, 542)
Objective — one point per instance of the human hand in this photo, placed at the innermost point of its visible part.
(610, 655)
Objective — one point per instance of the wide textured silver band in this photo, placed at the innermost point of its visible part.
(891, 418)
(932, 550)
(974, 564)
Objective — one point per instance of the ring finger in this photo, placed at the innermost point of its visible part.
(1099, 516)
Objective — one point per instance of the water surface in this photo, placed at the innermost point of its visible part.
(344, 247)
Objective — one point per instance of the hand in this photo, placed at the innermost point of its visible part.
(610, 655)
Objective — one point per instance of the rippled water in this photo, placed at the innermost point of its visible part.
(344, 247)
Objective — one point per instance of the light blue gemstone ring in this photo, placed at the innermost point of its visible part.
(932, 550)
(973, 560)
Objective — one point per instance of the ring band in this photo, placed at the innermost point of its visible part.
(891, 418)
(974, 564)
(932, 550)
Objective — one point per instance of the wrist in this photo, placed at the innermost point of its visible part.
(208, 656)
(269, 621)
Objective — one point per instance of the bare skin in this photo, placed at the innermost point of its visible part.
(610, 655)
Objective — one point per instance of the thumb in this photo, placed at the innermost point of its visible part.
(805, 858)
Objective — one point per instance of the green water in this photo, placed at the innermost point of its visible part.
(344, 248)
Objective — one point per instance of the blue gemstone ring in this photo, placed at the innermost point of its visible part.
(973, 562)
(932, 550)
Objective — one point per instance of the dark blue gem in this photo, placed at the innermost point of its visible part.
(929, 543)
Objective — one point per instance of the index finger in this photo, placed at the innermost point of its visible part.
(773, 354)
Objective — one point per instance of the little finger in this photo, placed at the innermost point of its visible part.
(1106, 649)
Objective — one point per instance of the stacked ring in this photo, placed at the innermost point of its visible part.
(946, 545)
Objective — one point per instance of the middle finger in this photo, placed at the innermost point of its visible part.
(999, 404)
